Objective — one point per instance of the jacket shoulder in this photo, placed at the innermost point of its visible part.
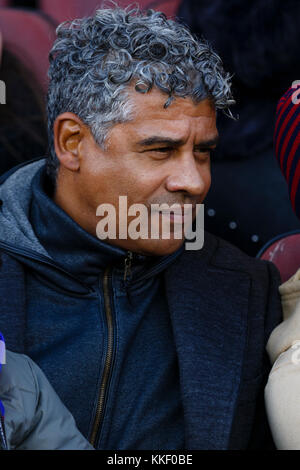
(35, 417)
(223, 254)
(12, 302)
(264, 277)
(17, 375)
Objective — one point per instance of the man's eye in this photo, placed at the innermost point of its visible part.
(204, 153)
(161, 152)
(204, 150)
(162, 149)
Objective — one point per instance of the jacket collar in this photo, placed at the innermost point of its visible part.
(209, 316)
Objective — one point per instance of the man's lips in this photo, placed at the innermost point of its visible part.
(180, 216)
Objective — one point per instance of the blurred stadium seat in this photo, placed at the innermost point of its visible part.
(29, 36)
(62, 10)
(169, 7)
(5, 3)
(284, 252)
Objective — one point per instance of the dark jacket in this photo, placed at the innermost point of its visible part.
(223, 306)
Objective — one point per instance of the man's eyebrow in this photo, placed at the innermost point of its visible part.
(208, 143)
(154, 140)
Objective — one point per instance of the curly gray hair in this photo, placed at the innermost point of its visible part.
(95, 59)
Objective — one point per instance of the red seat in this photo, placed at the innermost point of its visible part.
(284, 252)
(62, 10)
(169, 7)
(30, 37)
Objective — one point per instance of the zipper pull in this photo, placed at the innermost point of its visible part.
(128, 264)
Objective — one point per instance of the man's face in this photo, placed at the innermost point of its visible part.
(161, 156)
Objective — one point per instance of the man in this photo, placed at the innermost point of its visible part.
(149, 345)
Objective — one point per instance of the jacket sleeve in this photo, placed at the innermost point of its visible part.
(283, 387)
(35, 417)
(288, 332)
(261, 437)
(282, 400)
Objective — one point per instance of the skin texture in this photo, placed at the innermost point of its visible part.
(155, 173)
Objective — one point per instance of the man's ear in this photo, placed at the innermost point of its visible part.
(69, 131)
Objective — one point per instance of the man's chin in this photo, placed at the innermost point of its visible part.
(150, 247)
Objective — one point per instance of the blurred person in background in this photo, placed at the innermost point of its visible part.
(248, 203)
(283, 389)
(23, 134)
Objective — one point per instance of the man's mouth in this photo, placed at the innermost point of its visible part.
(183, 215)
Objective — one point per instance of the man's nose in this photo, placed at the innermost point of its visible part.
(188, 176)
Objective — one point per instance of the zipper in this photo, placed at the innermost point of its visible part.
(150, 272)
(128, 265)
(108, 360)
(110, 347)
(3, 442)
(160, 265)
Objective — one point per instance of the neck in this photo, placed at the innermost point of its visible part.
(69, 200)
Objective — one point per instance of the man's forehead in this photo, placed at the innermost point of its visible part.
(148, 110)
(175, 125)
(156, 100)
